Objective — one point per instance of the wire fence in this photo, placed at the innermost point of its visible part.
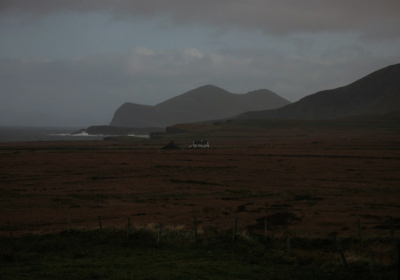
(288, 240)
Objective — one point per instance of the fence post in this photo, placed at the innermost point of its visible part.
(10, 229)
(265, 227)
(289, 245)
(340, 249)
(100, 225)
(394, 241)
(128, 230)
(398, 263)
(195, 230)
(235, 229)
(159, 233)
(371, 263)
(360, 235)
(69, 219)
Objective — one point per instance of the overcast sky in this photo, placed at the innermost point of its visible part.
(74, 62)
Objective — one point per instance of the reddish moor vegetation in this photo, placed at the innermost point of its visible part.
(312, 183)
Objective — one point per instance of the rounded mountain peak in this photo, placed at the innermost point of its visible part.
(261, 92)
(209, 87)
(207, 90)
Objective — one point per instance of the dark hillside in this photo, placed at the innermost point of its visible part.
(376, 93)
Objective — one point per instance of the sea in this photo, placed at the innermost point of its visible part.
(27, 134)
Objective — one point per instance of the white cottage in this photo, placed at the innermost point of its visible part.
(200, 144)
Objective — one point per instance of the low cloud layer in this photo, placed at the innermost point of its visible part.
(371, 19)
(93, 87)
(292, 47)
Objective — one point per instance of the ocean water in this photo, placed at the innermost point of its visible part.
(26, 134)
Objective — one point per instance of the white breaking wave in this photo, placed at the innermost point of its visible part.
(142, 136)
(85, 134)
(74, 135)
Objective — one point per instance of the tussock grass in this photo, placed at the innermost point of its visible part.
(110, 254)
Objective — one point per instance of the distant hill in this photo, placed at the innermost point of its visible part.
(201, 104)
(377, 93)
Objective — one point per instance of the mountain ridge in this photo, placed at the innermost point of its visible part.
(201, 104)
(376, 93)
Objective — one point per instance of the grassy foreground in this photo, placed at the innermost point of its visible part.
(111, 255)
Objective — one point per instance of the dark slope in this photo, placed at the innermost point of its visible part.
(201, 104)
(393, 116)
(376, 93)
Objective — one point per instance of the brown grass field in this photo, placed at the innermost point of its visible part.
(309, 180)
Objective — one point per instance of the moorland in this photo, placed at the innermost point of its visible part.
(312, 180)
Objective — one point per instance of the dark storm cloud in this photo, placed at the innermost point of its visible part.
(369, 18)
